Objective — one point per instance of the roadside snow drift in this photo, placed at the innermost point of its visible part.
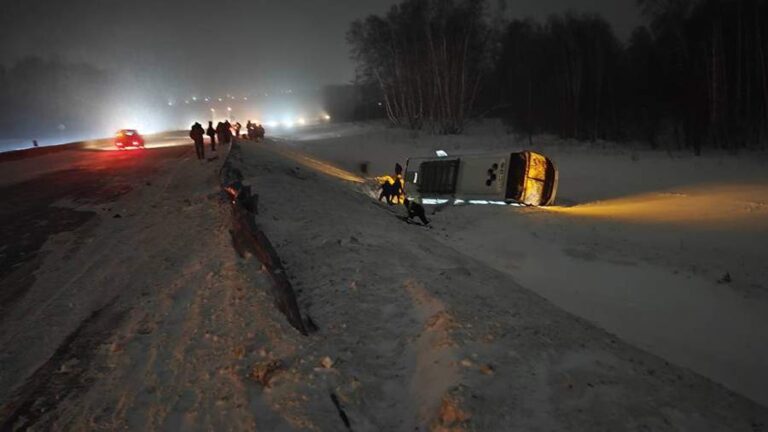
(664, 249)
(146, 318)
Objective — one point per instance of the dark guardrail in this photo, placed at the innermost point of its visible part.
(247, 237)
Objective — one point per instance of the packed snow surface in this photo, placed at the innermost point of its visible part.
(640, 243)
(496, 318)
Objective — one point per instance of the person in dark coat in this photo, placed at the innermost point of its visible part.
(397, 189)
(211, 132)
(220, 135)
(249, 129)
(238, 126)
(260, 132)
(387, 190)
(227, 132)
(392, 188)
(415, 209)
(197, 133)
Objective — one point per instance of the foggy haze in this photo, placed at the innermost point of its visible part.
(224, 46)
(160, 52)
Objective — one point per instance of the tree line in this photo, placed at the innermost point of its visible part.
(695, 75)
(427, 59)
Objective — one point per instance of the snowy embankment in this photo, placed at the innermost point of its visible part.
(416, 333)
(145, 318)
(663, 249)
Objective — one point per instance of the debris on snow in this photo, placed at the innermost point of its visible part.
(451, 416)
(487, 369)
(326, 362)
(263, 372)
(726, 279)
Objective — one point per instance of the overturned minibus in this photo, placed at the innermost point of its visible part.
(524, 177)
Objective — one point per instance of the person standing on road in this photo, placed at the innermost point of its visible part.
(260, 132)
(227, 132)
(197, 133)
(220, 133)
(249, 129)
(211, 132)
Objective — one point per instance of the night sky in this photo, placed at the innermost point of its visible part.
(216, 47)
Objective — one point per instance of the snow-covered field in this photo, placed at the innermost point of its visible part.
(422, 330)
(641, 246)
(495, 319)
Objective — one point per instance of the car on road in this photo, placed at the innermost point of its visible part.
(524, 177)
(128, 138)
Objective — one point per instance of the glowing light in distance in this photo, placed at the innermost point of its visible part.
(302, 121)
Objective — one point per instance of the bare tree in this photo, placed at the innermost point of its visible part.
(427, 57)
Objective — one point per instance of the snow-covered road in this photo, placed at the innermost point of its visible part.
(134, 318)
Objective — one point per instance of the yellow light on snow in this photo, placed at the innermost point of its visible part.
(318, 165)
(733, 206)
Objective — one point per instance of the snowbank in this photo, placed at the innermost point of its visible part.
(146, 318)
(642, 246)
(415, 333)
